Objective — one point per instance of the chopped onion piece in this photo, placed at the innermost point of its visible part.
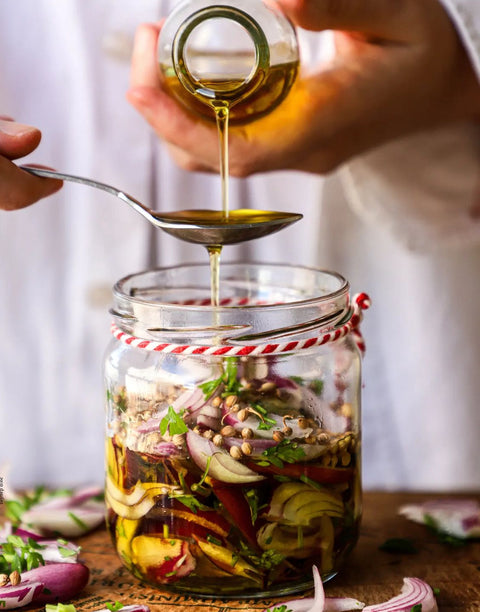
(60, 581)
(319, 603)
(20, 595)
(414, 592)
(457, 517)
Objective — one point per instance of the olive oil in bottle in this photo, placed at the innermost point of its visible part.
(231, 64)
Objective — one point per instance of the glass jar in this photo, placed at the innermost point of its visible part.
(233, 433)
(242, 55)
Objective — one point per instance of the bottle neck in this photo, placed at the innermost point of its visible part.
(204, 85)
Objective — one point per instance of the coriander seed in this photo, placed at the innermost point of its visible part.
(218, 440)
(278, 436)
(228, 431)
(236, 452)
(246, 448)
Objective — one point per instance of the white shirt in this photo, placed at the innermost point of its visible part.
(400, 223)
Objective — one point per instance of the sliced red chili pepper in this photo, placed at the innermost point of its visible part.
(234, 502)
(318, 473)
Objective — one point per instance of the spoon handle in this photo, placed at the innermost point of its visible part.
(138, 206)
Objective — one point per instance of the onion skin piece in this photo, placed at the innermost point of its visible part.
(63, 580)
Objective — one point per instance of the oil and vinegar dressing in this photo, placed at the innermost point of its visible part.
(228, 100)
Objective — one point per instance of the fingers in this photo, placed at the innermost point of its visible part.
(144, 67)
(17, 139)
(19, 189)
(381, 18)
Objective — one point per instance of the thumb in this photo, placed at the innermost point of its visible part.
(17, 139)
(376, 18)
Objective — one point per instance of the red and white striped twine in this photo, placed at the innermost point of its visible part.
(361, 302)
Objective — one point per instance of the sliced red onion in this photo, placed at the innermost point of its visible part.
(60, 581)
(149, 426)
(457, 517)
(414, 592)
(76, 498)
(208, 421)
(320, 603)
(69, 521)
(319, 593)
(131, 608)
(69, 514)
(221, 465)
(258, 445)
(20, 595)
(55, 551)
(165, 449)
(190, 400)
(342, 604)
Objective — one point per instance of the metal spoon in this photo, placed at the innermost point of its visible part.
(207, 227)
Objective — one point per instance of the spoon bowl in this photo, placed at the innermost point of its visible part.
(206, 227)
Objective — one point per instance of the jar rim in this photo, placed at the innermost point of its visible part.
(257, 301)
(120, 285)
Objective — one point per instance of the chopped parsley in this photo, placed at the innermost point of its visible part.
(66, 552)
(18, 555)
(286, 451)
(173, 423)
(443, 536)
(78, 521)
(113, 607)
(231, 386)
(14, 509)
(189, 501)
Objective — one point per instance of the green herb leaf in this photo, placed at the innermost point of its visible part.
(78, 521)
(417, 608)
(113, 607)
(210, 387)
(399, 545)
(60, 608)
(316, 385)
(286, 451)
(66, 552)
(443, 537)
(232, 385)
(173, 423)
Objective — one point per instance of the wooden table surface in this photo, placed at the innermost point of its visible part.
(370, 575)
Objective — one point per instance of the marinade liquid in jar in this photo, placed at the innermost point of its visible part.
(233, 432)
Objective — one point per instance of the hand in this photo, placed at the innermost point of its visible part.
(18, 188)
(399, 68)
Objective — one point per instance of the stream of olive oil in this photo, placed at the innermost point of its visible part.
(267, 92)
